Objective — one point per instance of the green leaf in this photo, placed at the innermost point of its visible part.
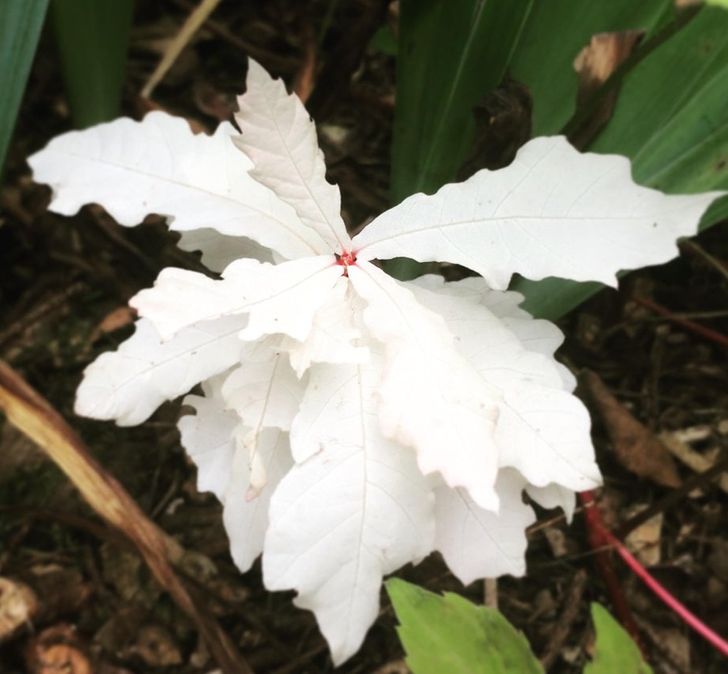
(615, 650)
(671, 117)
(450, 634)
(20, 24)
(451, 54)
(671, 120)
(92, 37)
(555, 33)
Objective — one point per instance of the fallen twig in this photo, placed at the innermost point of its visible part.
(569, 612)
(707, 333)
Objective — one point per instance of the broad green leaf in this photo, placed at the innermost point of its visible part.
(20, 24)
(92, 37)
(451, 54)
(671, 117)
(450, 634)
(671, 120)
(615, 650)
(555, 33)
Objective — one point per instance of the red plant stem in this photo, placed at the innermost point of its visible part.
(697, 328)
(599, 543)
(595, 520)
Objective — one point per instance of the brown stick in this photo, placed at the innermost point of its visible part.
(35, 417)
(569, 612)
(707, 333)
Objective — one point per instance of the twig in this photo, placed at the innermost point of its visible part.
(273, 60)
(707, 333)
(198, 16)
(712, 261)
(306, 75)
(674, 496)
(569, 612)
(490, 592)
(34, 416)
(600, 529)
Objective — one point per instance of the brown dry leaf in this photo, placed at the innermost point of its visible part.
(678, 444)
(594, 64)
(644, 541)
(57, 650)
(113, 321)
(636, 448)
(18, 606)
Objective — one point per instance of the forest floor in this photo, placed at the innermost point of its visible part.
(64, 285)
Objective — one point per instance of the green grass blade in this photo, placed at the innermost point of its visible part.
(20, 24)
(450, 634)
(92, 37)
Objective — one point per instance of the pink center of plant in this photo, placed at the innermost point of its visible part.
(345, 260)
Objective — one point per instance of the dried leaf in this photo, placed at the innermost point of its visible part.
(18, 606)
(635, 447)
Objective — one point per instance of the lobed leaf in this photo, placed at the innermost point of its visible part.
(278, 298)
(159, 166)
(355, 510)
(127, 385)
(523, 219)
(280, 138)
(430, 397)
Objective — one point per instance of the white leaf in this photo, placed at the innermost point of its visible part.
(278, 298)
(130, 383)
(159, 166)
(219, 250)
(264, 393)
(552, 212)
(208, 438)
(280, 138)
(334, 337)
(477, 543)
(430, 396)
(246, 517)
(554, 496)
(542, 430)
(355, 511)
(534, 335)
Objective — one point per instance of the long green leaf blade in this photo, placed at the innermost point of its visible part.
(450, 634)
(93, 37)
(451, 54)
(20, 24)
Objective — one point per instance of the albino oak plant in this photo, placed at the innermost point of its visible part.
(351, 423)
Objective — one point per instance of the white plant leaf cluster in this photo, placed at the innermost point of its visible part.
(351, 423)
